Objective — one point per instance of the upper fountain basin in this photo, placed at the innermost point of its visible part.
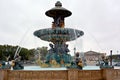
(58, 34)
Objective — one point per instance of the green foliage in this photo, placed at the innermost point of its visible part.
(8, 50)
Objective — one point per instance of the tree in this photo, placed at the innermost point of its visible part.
(26, 54)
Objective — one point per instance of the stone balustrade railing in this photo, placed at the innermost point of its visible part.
(71, 74)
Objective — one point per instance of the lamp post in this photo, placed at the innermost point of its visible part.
(74, 51)
(110, 57)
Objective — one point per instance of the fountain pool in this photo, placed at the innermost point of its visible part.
(62, 68)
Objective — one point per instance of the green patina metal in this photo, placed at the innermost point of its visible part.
(66, 34)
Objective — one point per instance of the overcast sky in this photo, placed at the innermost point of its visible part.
(99, 19)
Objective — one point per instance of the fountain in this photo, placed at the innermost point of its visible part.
(58, 35)
(58, 56)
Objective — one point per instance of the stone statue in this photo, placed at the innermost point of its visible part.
(17, 63)
(66, 48)
(51, 50)
(3, 65)
(78, 61)
(50, 54)
(105, 63)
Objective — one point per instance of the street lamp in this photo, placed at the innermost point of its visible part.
(74, 50)
(110, 57)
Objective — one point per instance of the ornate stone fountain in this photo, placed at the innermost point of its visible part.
(58, 35)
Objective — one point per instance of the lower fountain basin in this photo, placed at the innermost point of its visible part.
(62, 68)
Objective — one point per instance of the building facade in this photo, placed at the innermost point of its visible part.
(92, 57)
